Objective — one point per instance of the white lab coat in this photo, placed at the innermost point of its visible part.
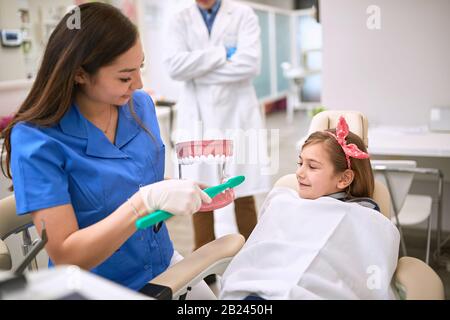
(218, 99)
(315, 249)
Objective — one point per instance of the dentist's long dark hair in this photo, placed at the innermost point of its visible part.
(104, 35)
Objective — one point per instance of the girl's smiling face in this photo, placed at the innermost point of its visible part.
(316, 174)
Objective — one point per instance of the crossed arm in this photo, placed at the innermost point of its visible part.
(210, 66)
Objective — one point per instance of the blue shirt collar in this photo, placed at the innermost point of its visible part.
(209, 16)
(75, 124)
(214, 9)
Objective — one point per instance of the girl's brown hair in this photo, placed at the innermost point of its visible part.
(104, 35)
(363, 182)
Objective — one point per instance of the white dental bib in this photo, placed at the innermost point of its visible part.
(315, 249)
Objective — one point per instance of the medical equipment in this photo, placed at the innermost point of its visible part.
(410, 209)
(162, 215)
(15, 280)
(11, 38)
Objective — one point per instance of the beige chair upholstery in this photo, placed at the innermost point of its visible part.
(5, 257)
(357, 122)
(413, 278)
(10, 223)
(212, 258)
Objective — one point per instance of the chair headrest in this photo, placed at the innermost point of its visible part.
(357, 122)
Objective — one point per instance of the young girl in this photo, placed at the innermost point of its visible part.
(329, 241)
(85, 153)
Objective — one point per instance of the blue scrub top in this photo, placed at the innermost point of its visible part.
(74, 163)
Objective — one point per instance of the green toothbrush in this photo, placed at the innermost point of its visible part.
(162, 215)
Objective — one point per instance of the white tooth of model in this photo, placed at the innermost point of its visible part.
(218, 159)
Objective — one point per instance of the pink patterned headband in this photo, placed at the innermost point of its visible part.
(350, 150)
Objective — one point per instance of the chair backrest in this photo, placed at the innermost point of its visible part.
(357, 122)
(398, 182)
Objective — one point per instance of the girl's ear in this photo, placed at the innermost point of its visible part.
(81, 77)
(346, 179)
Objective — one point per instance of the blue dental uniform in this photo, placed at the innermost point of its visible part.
(73, 162)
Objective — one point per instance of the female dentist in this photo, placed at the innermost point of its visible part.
(85, 154)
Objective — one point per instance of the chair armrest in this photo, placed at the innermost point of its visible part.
(415, 280)
(157, 291)
(212, 258)
(5, 257)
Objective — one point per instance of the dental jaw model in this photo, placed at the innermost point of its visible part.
(214, 153)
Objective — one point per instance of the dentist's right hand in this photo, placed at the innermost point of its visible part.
(179, 197)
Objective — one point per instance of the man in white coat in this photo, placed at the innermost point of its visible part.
(214, 48)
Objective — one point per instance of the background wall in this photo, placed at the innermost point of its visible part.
(394, 74)
(402, 70)
(12, 64)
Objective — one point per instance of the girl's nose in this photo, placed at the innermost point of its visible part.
(300, 171)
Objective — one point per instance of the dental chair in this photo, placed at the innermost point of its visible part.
(174, 283)
(11, 224)
(413, 279)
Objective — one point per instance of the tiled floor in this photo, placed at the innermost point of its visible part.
(181, 227)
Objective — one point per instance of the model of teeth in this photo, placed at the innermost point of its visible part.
(219, 159)
(207, 151)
